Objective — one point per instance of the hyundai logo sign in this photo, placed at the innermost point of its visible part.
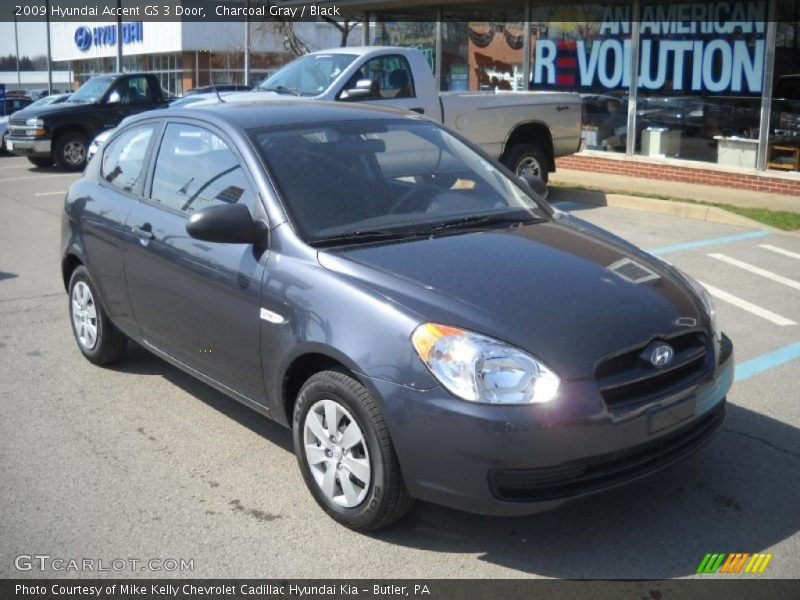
(106, 35)
(659, 354)
(83, 38)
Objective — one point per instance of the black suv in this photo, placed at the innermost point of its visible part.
(61, 133)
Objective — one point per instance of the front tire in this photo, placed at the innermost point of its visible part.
(97, 338)
(345, 453)
(70, 151)
(527, 159)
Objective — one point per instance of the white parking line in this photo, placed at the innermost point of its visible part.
(780, 251)
(58, 193)
(3, 180)
(748, 306)
(758, 271)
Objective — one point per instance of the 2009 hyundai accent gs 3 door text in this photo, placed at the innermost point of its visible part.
(426, 325)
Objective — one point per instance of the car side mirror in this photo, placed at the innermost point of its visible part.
(226, 224)
(536, 185)
(362, 90)
(114, 98)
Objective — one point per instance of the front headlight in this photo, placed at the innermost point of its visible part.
(37, 123)
(481, 369)
(705, 298)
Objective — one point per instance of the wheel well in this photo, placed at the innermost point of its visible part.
(59, 131)
(537, 134)
(68, 265)
(299, 372)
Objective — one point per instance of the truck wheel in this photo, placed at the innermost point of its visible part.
(527, 159)
(97, 338)
(70, 151)
(40, 161)
(345, 453)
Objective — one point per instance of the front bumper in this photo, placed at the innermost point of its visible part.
(25, 146)
(516, 460)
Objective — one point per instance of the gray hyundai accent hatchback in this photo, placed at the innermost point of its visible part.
(427, 326)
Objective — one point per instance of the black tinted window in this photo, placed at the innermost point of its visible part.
(195, 169)
(343, 177)
(124, 157)
(390, 76)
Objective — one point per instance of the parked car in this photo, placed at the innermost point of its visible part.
(14, 103)
(48, 100)
(212, 89)
(526, 130)
(425, 324)
(3, 132)
(61, 133)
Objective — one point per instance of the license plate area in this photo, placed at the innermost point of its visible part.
(673, 414)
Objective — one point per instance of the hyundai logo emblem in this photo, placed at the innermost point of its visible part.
(661, 355)
(83, 38)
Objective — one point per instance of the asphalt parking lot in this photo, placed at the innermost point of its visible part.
(142, 461)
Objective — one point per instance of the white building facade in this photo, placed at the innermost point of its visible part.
(184, 54)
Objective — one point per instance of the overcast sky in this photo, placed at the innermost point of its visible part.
(32, 38)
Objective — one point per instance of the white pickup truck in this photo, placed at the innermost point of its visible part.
(525, 130)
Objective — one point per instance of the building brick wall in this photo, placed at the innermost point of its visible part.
(650, 170)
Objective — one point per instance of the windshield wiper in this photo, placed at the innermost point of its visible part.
(365, 236)
(477, 221)
(280, 89)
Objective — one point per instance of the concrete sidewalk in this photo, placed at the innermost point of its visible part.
(622, 184)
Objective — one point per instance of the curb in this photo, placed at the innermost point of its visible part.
(674, 208)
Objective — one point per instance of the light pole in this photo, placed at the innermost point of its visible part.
(49, 66)
(119, 36)
(16, 43)
(247, 45)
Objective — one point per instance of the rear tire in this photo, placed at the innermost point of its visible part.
(369, 453)
(40, 161)
(70, 151)
(97, 338)
(527, 159)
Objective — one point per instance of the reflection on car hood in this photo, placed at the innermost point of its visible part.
(563, 290)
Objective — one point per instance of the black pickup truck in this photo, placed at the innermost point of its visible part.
(61, 133)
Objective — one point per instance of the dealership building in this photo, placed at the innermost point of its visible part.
(184, 54)
(702, 92)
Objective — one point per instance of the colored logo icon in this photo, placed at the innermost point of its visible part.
(734, 563)
(83, 38)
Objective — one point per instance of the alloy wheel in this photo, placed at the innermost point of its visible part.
(529, 166)
(336, 453)
(74, 153)
(84, 315)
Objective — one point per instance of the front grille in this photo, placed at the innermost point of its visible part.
(628, 379)
(17, 127)
(533, 485)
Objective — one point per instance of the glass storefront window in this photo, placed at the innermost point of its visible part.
(700, 81)
(396, 30)
(783, 153)
(586, 48)
(483, 55)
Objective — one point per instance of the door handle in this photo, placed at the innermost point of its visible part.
(418, 109)
(143, 232)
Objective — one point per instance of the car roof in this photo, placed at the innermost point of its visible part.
(266, 113)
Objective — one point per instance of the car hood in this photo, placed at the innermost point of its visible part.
(561, 290)
(41, 112)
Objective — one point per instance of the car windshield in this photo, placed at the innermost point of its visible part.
(309, 75)
(92, 91)
(388, 178)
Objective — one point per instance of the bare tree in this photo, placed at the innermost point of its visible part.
(344, 27)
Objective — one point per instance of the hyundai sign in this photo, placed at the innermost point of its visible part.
(106, 35)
